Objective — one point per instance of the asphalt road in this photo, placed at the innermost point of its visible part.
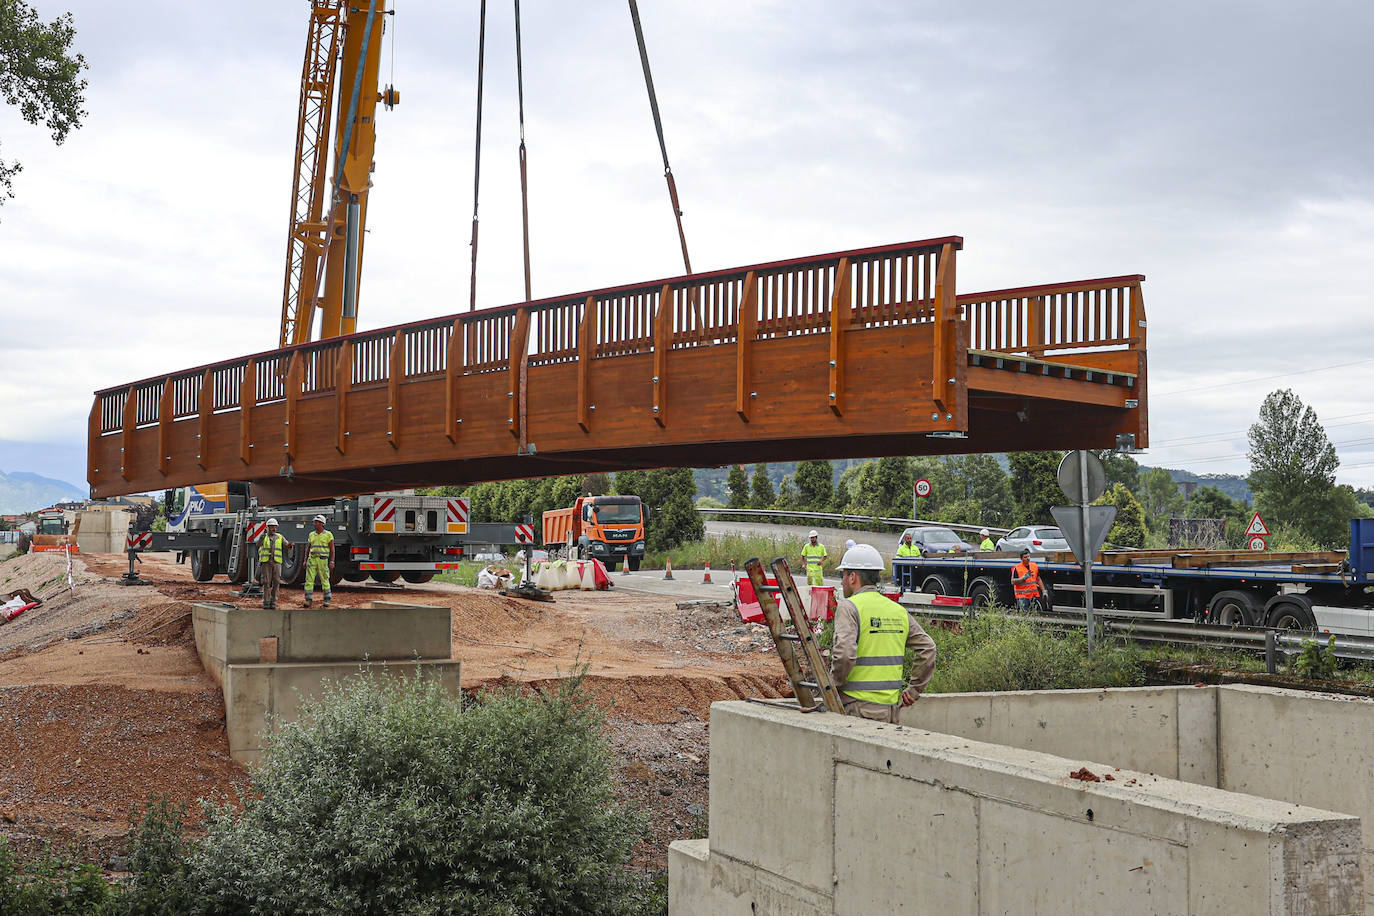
(832, 538)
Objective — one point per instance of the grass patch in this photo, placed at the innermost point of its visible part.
(721, 552)
(465, 574)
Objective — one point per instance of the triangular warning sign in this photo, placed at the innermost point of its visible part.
(1257, 527)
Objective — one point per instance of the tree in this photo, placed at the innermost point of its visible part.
(1034, 486)
(787, 494)
(1293, 471)
(882, 488)
(979, 485)
(815, 487)
(1129, 528)
(1122, 469)
(1210, 502)
(39, 73)
(738, 486)
(596, 484)
(761, 495)
(670, 494)
(1160, 497)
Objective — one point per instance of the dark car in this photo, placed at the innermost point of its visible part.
(932, 539)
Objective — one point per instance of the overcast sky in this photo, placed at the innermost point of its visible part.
(1223, 149)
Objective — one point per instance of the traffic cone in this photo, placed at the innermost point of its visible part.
(667, 567)
(706, 579)
(625, 567)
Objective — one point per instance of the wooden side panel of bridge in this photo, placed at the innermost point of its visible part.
(861, 353)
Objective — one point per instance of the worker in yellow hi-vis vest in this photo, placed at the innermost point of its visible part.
(814, 556)
(872, 636)
(270, 551)
(319, 560)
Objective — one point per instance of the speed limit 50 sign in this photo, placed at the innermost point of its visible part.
(922, 487)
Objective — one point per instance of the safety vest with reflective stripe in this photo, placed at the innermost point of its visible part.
(877, 673)
(270, 548)
(319, 544)
(1031, 587)
(814, 554)
(908, 550)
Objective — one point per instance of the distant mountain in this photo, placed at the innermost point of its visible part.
(1233, 485)
(22, 491)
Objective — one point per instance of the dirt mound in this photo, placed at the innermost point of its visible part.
(79, 761)
(66, 613)
(485, 617)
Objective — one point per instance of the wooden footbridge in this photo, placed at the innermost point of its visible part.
(859, 353)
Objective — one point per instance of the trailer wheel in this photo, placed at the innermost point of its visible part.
(416, 577)
(1291, 612)
(386, 575)
(293, 565)
(936, 584)
(1234, 609)
(986, 591)
(204, 564)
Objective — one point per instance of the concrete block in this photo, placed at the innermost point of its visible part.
(702, 884)
(927, 860)
(771, 793)
(259, 697)
(1197, 735)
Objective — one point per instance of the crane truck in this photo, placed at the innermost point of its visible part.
(1331, 591)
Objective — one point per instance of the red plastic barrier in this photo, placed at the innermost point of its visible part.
(747, 602)
(822, 603)
(10, 614)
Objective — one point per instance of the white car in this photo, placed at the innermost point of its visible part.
(1035, 538)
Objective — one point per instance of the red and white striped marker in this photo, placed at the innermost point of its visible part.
(140, 541)
(524, 534)
(456, 516)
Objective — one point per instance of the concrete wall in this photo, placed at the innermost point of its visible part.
(1296, 746)
(227, 635)
(103, 531)
(1168, 731)
(828, 814)
(257, 698)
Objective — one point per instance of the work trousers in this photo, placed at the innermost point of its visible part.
(879, 712)
(815, 575)
(270, 574)
(317, 567)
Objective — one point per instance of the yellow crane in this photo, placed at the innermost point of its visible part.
(324, 250)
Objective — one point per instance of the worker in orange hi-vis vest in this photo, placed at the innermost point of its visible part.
(1025, 582)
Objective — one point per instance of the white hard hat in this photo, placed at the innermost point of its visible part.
(813, 534)
(985, 533)
(271, 523)
(849, 543)
(862, 556)
(321, 519)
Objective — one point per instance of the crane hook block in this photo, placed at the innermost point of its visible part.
(391, 97)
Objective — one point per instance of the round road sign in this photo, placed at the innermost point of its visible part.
(1073, 467)
(1257, 543)
(923, 487)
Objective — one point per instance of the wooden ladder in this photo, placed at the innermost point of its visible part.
(803, 688)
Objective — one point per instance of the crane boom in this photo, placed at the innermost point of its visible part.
(324, 251)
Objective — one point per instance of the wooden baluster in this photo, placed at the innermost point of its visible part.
(164, 427)
(295, 376)
(744, 346)
(1035, 335)
(663, 342)
(841, 319)
(248, 399)
(944, 339)
(397, 372)
(519, 341)
(586, 352)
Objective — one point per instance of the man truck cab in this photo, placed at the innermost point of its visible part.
(605, 528)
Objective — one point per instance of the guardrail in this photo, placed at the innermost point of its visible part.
(1178, 632)
(842, 517)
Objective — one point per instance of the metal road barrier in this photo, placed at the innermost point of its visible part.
(1175, 632)
(840, 517)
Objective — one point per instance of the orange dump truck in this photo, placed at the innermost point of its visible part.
(605, 528)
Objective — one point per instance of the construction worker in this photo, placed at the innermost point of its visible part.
(906, 548)
(270, 551)
(1025, 582)
(814, 556)
(872, 636)
(987, 543)
(319, 560)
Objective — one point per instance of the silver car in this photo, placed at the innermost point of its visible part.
(1035, 538)
(936, 540)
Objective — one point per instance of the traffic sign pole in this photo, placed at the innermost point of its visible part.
(1088, 560)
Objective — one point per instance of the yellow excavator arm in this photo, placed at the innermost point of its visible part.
(329, 200)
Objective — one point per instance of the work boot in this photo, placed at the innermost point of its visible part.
(308, 602)
(326, 601)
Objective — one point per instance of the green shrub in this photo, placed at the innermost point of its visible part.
(161, 882)
(998, 651)
(388, 797)
(1316, 661)
(50, 884)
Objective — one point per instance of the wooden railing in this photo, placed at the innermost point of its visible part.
(1097, 314)
(874, 287)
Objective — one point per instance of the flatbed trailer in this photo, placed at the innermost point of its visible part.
(1332, 592)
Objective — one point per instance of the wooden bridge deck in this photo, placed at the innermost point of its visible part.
(707, 369)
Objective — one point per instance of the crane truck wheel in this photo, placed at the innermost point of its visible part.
(1291, 612)
(359, 576)
(204, 565)
(293, 564)
(386, 575)
(416, 577)
(936, 584)
(1235, 609)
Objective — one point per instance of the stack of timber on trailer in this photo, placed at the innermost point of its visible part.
(1332, 591)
